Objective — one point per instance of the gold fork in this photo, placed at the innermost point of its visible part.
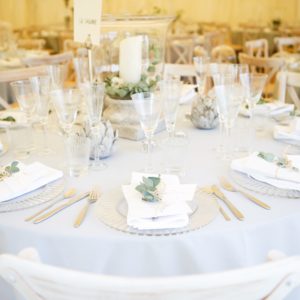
(93, 197)
(208, 189)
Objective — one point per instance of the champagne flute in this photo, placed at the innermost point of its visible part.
(170, 90)
(229, 96)
(26, 99)
(41, 89)
(93, 94)
(254, 84)
(148, 108)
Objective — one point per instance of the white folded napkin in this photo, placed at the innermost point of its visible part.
(291, 132)
(171, 212)
(29, 178)
(269, 172)
(272, 109)
(1, 146)
(18, 115)
(187, 93)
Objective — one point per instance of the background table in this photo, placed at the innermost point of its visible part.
(96, 248)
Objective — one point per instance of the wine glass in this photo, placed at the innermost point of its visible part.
(229, 95)
(148, 108)
(41, 89)
(81, 66)
(66, 103)
(93, 94)
(170, 90)
(25, 97)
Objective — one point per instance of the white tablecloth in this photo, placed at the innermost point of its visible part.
(96, 248)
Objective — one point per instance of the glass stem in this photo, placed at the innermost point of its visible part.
(149, 167)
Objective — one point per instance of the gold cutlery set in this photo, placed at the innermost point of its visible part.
(226, 185)
(69, 195)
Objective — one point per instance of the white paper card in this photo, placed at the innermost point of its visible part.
(87, 20)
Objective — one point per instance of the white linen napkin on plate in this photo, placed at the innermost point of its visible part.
(187, 93)
(291, 132)
(171, 212)
(268, 172)
(272, 109)
(29, 178)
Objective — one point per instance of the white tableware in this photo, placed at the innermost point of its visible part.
(112, 211)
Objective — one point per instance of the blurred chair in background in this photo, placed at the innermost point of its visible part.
(287, 44)
(223, 54)
(269, 66)
(257, 48)
(31, 44)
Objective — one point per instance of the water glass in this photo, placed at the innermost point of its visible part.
(78, 154)
(175, 153)
(170, 90)
(58, 75)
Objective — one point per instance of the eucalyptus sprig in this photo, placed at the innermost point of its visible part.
(9, 170)
(8, 119)
(149, 189)
(117, 89)
(281, 162)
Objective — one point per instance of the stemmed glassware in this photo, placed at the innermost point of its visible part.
(254, 84)
(41, 89)
(57, 74)
(66, 103)
(25, 97)
(170, 90)
(94, 96)
(229, 95)
(148, 107)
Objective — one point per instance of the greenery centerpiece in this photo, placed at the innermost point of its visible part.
(132, 61)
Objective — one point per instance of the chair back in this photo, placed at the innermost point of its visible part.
(288, 44)
(32, 44)
(257, 48)
(37, 281)
(269, 66)
(223, 54)
(288, 83)
(23, 73)
(62, 58)
(180, 49)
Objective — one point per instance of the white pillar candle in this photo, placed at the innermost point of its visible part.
(130, 59)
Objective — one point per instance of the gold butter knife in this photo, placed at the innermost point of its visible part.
(59, 208)
(221, 196)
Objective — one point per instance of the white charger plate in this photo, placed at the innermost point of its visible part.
(48, 192)
(111, 209)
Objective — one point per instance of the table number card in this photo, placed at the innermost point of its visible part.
(87, 20)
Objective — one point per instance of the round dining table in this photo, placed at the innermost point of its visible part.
(95, 247)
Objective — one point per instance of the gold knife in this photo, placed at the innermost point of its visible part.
(255, 200)
(59, 208)
(233, 209)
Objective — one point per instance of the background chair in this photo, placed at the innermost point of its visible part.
(289, 83)
(31, 44)
(257, 48)
(223, 54)
(269, 66)
(37, 281)
(288, 44)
